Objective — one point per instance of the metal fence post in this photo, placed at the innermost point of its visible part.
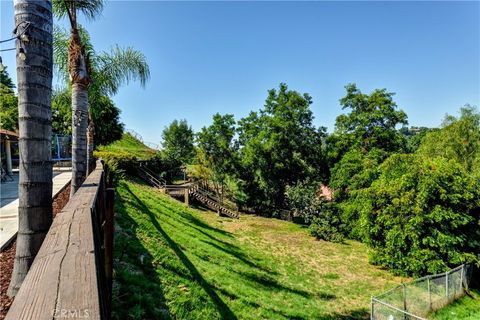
(404, 298)
(446, 285)
(372, 309)
(461, 277)
(429, 294)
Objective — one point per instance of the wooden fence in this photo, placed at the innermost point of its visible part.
(71, 276)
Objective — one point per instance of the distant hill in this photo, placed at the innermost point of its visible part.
(131, 145)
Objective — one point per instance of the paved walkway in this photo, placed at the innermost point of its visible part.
(9, 203)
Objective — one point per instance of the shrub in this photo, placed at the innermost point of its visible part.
(118, 163)
(327, 225)
(323, 216)
(421, 215)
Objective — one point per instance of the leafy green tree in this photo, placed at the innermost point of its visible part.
(107, 115)
(8, 108)
(62, 112)
(370, 124)
(177, 143)
(415, 138)
(362, 140)
(421, 215)
(321, 215)
(103, 111)
(302, 200)
(355, 171)
(372, 120)
(279, 146)
(459, 139)
(216, 145)
(5, 79)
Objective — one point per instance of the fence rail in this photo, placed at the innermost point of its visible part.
(71, 275)
(416, 299)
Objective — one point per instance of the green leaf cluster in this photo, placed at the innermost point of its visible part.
(178, 142)
(421, 215)
(8, 103)
(278, 147)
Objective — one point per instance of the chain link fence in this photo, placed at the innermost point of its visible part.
(137, 136)
(416, 299)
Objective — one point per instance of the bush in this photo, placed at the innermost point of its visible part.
(421, 215)
(118, 163)
(323, 216)
(327, 225)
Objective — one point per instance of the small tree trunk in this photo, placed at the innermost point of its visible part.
(34, 82)
(90, 143)
(79, 135)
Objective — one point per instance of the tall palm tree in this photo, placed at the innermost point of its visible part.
(79, 72)
(108, 72)
(91, 75)
(34, 83)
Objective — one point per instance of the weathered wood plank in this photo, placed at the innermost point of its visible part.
(63, 279)
(77, 292)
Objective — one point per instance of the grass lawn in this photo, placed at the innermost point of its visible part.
(131, 145)
(466, 308)
(172, 261)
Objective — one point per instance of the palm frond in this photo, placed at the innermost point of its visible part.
(118, 67)
(60, 51)
(90, 8)
(61, 39)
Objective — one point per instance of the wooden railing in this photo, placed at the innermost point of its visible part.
(150, 176)
(71, 276)
(212, 202)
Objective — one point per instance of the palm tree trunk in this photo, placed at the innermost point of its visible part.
(78, 65)
(90, 143)
(34, 82)
(79, 135)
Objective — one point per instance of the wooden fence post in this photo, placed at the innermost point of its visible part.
(108, 240)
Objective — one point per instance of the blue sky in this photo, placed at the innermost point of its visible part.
(208, 57)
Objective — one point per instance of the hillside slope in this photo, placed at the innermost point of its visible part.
(131, 145)
(172, 261)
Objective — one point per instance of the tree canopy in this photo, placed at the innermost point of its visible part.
(421, 215)
(8, 103)
(103, 112)
(177, 142)
(279, 146)
(217, 150)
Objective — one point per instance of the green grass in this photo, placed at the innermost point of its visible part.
(176, 262)
(131, 145)
(466, 308)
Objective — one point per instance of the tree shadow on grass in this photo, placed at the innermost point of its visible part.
(358, 314)
(271, 284)
(195, 222)
(222, 308)
(237, 254)
(137, 288)
(206, 234)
